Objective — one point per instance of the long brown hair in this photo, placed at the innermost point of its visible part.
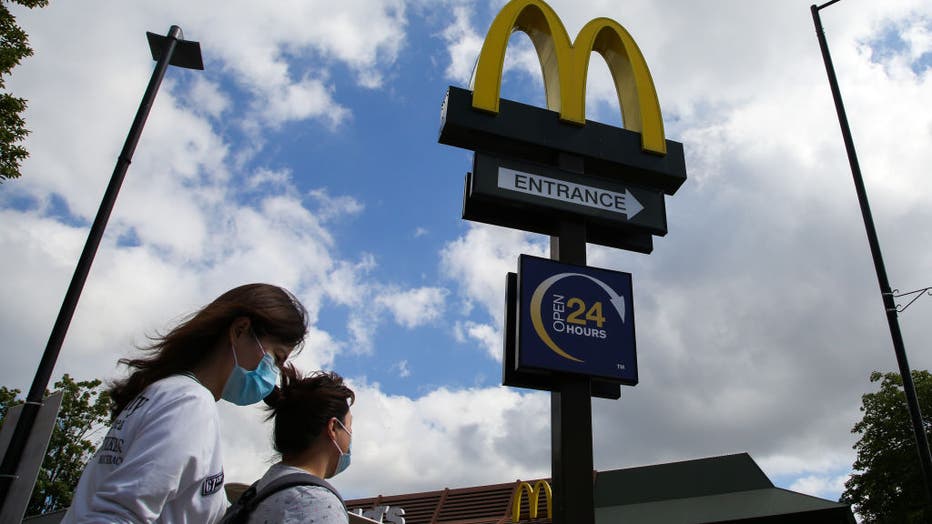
(304, 406)
(272, 311)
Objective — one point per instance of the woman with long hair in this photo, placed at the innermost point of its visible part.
(161, 459)
(313, 431)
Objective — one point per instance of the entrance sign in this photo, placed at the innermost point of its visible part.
(550, 188)
(574, 319)
(530, 188)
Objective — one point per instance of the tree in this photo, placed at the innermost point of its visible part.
(887, 486)
(14, 46)
(7, 400)
(85, 408)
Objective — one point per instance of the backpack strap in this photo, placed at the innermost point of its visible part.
(284, 482)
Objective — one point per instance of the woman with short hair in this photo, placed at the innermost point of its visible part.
(161, 459)
(313, 430)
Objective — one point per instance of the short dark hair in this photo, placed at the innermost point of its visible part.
(304, 405)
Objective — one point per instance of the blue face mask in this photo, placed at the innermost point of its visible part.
(345, 458)
(244, 388)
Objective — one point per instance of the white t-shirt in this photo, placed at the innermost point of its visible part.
(160, 461)
(298, 504)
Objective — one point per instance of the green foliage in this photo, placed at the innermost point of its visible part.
(887, 486)
(7, 400)
(14, 46)
(84, 410)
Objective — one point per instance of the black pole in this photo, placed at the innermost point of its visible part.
(886, 292)
(571, 414)
(14, 451)
(571, 403)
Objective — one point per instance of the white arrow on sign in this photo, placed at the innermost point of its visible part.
(554, 189)
(632, 206)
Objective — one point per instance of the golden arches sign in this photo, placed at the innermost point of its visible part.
(565, 68)
(533, 497)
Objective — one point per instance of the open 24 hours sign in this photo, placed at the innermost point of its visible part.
(575, 319)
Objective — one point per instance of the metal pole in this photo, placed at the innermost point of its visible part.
(14, 451)
(571, 403)
(571, 414)
(886, 292)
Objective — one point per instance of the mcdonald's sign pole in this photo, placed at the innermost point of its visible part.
(551, 171)
(886, 292)
(571, 412)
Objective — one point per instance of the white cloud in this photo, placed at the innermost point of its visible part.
(264, 177)
(309, 98)
(820, 486)
(345, 283)
(488, 337)
(414, 307)
(329, 207)
(463, 44)
(479, 260)
(258, 46)
(362, 327)
(403, 369)
(206, 96)
(319, 350)
(919, 37)
(501, 433)
(799, 465)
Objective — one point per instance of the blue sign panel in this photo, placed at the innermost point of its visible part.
(575, 319)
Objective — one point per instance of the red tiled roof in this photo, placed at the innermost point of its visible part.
(475, 505)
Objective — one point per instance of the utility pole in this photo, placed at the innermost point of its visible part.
(886, 292)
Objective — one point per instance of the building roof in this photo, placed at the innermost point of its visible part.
(691, 478)
(724, 489)
(474, 505)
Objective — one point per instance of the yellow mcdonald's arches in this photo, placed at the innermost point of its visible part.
(533, 495)
(565, 67)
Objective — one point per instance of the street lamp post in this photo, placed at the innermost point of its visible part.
(886, 292)
(167, 50)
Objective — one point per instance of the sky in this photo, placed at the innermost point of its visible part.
(306, 155)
